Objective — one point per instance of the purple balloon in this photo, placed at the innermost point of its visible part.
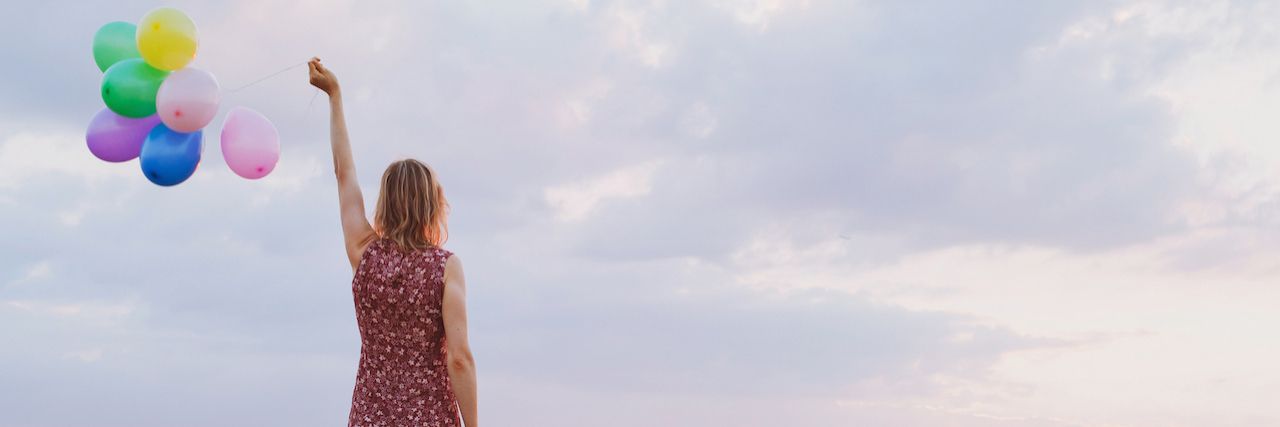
(116, 138)
(250, 143)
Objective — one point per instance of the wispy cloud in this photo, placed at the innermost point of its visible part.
(575, 201)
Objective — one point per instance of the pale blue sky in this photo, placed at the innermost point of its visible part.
(711, 212)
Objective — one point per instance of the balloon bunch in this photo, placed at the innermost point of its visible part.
(158, 106)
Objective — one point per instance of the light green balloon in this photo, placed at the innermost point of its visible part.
(114, 42)
(129, 87)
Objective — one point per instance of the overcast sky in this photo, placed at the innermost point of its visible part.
(703, 212)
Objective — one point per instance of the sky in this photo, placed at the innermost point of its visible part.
(677, 213)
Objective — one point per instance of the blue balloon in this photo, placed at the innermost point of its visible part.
(170, 157)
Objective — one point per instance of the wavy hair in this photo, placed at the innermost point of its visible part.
(411, 209)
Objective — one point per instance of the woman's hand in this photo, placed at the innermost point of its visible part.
(322, 78)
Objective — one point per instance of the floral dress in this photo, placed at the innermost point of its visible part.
(403, 379)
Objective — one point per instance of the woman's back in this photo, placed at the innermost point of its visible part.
(403, 377)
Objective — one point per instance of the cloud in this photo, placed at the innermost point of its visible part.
(86, 355)
(1124, 309)
(707, 212)
(758, 12)
(24, 156)
(815, 344)
(575, 201)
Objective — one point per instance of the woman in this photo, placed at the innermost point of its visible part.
(410, 293)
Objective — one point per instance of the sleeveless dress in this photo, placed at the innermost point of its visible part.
(403, 379)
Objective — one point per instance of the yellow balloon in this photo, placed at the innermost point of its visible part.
(167, 39)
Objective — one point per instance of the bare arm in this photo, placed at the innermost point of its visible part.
(462, 366)
(356, 231)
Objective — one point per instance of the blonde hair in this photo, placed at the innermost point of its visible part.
(411, 209)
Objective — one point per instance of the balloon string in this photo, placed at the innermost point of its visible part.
(270, 76)
(313, 100)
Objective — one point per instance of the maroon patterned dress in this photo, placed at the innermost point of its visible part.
(403, 379)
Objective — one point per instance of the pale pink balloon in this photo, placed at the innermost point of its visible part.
(188, 99)
(250, 143)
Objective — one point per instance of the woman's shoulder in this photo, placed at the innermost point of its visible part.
(450, 265)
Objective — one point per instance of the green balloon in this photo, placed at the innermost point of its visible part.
(129, 88)
(114, 42)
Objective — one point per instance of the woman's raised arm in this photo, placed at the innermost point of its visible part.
(356, 231)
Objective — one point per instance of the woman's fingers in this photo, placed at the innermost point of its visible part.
(315, 67)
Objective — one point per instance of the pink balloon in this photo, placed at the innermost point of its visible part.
(250, 143)
(117, 138)
(188, 99)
